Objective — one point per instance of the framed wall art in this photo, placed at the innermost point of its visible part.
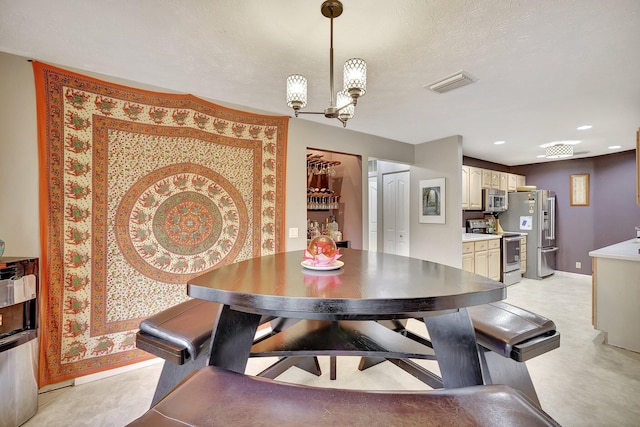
(432, 201)
(579, 189)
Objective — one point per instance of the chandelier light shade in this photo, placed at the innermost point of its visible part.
(355, 77)
(342, 105)
(345, 106)
(559, 151)
(296, 91)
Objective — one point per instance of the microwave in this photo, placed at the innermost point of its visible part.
(494, 200)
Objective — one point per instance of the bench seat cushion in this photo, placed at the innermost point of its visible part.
(500, 326)
(187, 325)
(214, 396)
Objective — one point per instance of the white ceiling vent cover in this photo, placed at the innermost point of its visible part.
(451, 82)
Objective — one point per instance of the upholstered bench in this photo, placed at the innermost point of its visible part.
(507, 336)
(181, 335)
(216, 397)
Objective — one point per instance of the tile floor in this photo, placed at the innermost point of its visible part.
(583, 383)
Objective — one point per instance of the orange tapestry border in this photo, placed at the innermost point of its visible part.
(86, 326)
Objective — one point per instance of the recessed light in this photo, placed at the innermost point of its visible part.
(550, 144)
(541, 156)
(499, 142)
(584, 127)
(614, 147)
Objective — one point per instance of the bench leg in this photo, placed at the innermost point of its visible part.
(172, 374)
(503, 370)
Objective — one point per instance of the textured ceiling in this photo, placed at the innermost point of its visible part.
(543, 67)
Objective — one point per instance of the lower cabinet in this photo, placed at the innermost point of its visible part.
(482, 257)
(493, 259)
(467, 257)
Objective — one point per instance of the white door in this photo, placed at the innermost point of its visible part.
(373, 214)
(396, 213)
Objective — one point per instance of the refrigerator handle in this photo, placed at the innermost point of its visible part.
(552, 217)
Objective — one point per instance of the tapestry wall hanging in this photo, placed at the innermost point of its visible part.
(139, 192)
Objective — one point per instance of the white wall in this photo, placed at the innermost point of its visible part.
(440, 243)
(19, 225)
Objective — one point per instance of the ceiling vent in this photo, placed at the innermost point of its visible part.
(451, 82)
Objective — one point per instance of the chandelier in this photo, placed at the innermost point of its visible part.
(342, 103)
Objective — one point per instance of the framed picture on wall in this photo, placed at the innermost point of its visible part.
(579, 189)
(432, 201)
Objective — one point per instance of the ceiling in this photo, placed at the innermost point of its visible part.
(542, 68)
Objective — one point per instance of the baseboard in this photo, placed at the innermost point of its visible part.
(116, 371)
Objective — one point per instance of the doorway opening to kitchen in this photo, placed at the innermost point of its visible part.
(334, 196)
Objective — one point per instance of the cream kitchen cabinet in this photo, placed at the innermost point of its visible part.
(465, 187)
(495, 180)
(486, 178)
(475, 188)
(482, 256)
(513, 182)
(504, 181)
(493, 259)
(471, 188)
(467, 257)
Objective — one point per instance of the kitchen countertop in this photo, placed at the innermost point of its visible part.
(627, 250)
(473, 237)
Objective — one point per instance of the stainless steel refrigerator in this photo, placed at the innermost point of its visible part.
(534, 213)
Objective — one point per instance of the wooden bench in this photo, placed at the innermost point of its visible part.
(507, 336)
(181, 335)
(213, 396)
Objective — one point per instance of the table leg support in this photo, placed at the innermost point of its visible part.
(232, 339)
(454, 343)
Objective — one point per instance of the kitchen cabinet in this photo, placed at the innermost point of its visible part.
(474, 180)
(523, 254)
(467, 257)
(482, 256)
(493, 259)
(616, 293)
(486, 178)
(495, 180)
(471, 188)
(504, 181)
(465, 187)
(475, 188)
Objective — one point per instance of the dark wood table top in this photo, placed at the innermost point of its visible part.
(370, 285)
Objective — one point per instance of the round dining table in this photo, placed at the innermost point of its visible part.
(368, 286)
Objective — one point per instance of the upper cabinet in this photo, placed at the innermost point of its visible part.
(474, 180)
(465, 187)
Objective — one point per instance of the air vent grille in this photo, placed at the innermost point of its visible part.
(451, 82)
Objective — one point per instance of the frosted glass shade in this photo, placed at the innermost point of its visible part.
(343, 99)
(355, 77)
(296, 91)
(559, 151)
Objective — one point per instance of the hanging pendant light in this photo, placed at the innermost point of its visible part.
(342, 106)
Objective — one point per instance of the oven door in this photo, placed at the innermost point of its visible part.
(511, 253)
